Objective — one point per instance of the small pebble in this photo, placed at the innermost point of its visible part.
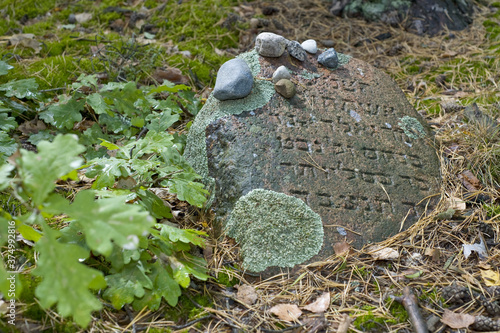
(329, 58)
(254, 23)
(285, 88)
(281, 73)
(234, 80)
(295, 50)
(71, 19)
(268, 44)
(327, 42)
(310, 46)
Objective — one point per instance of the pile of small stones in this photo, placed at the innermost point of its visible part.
(235, 80)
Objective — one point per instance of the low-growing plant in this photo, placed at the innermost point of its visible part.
(104, 243)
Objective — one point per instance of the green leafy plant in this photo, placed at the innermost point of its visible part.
(140, 262)
(113, 248)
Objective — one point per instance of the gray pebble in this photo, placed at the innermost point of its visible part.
(285, 88)
(310, 46)
(327, 42)
(281, 73)
(268, 44)
(329, 58)
(234, 80)
(295, 50)
(71, 19)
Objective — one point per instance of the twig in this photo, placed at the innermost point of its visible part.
(189, 323)
(283, 330)
(341, 226)
(131, 317)
(313, 163)
(410, 303)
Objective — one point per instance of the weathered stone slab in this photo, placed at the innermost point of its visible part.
(348, 144)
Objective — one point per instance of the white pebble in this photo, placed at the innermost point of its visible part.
(281, 73)
(310, 46)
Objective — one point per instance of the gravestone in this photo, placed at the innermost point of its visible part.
(348, 144)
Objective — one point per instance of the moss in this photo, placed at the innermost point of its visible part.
(227, 279)
(50, 72)
(33, 311)
(492, 210)
(108, 17)
(369, 320)
(17, 9)
(397, 310)
(186, 310)
(186, 23)
(274, 229)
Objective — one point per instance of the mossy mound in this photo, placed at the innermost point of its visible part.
(274, 229)
(169, 27)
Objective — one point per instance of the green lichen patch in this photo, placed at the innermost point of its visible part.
(274, 229)
(412, 127)
(343, 59)
(309, 75)
(262, 91)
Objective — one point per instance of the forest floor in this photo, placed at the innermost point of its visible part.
(449, 259)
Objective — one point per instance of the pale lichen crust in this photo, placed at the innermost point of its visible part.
(274, 229)
(412, 127)
(196, 152)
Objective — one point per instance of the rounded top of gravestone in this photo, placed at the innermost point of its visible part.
(348, 144)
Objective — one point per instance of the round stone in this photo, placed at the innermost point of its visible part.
(285, 88)
(71, 19)
(234, 80)
(329, 58)
(310, 46)
(281, 73)
(268, 44)
(296, 50)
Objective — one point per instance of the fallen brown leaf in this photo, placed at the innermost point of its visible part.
(342, 248)
(456, 203)
(457, 320)
(320, 304)
(469, 180)
(25, 40)
(490, 277)
(32, 126)
(434, 253)
(173, 75)
(287, 312)
(382, 253)
(247, 294)
(83, 17)
(448, 54)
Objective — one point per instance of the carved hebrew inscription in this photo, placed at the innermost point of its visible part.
(338, 147)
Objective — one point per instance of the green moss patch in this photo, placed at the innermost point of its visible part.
(274, 229)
